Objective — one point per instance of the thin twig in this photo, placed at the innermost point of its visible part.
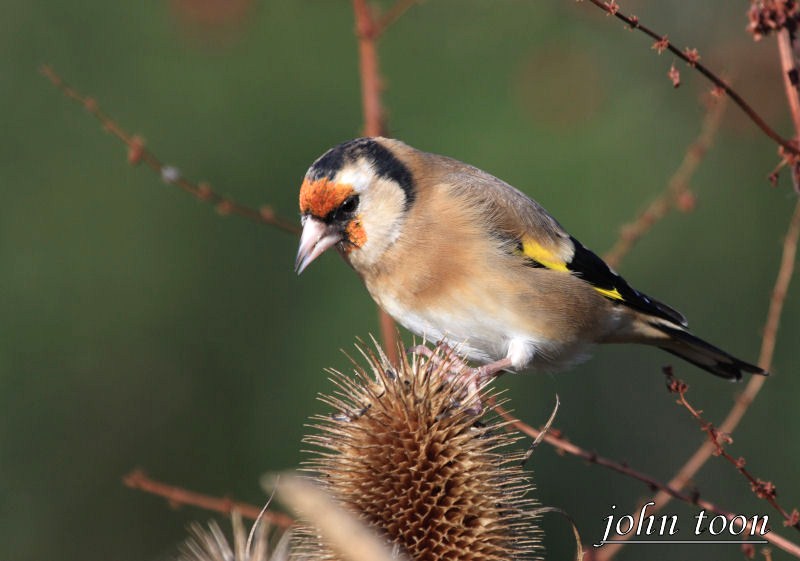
(374, 124)
(555, 439)
(177, 496)
(374, 121)
(717, 438)
(790, 83)
(677, 188)
(138, 152)
(692, 59)
(788, 64)
(768, 340)
(743, 401)
(392, 15)
(777, 299)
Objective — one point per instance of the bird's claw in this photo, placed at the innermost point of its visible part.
(454, 367)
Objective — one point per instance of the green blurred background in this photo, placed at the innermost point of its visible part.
(141, 329)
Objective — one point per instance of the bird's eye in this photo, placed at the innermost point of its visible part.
(349, 205)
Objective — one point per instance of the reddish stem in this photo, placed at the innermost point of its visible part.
(717, 438)
(178, 496)
(138, 152)
(611, 8)
(677, 187)
(374, 124)
(559, 442)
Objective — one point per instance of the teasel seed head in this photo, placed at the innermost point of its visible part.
(261, 543)
(407, 452)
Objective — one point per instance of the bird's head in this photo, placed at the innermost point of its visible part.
(355, 197)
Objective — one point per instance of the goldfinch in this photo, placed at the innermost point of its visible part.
(453, 253)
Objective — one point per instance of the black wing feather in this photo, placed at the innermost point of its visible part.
(589, 267)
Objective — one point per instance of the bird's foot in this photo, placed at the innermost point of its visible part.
(445, 358)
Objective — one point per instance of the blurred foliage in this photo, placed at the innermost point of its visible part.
(139, 328)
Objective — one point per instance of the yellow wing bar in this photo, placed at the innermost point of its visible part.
(546, 258)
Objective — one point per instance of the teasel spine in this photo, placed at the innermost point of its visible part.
(416, 453)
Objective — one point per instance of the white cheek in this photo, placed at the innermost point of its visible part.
(355, 177)
(382, 218)
(381, 231)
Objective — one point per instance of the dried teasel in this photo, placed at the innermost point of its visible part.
(261, 543)
(408, 454)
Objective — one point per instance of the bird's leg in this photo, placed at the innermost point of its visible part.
(421, 350)
(456, 365)
(492, 370)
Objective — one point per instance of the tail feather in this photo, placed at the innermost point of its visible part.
(704, 355)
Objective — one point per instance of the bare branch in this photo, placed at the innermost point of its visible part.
(691, 57)
(139, 153)
(743, 401)
(677, 194)
(374, 122)
(394, 13)
(555, 439)
(177, 496)
(718, 439)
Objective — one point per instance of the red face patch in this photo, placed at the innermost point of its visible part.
(322, 196)
(356, 234)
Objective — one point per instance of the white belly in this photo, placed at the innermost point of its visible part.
(487, 338)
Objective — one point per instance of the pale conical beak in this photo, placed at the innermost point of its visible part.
(316, 238)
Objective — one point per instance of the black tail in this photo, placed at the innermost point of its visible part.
(705, 355)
